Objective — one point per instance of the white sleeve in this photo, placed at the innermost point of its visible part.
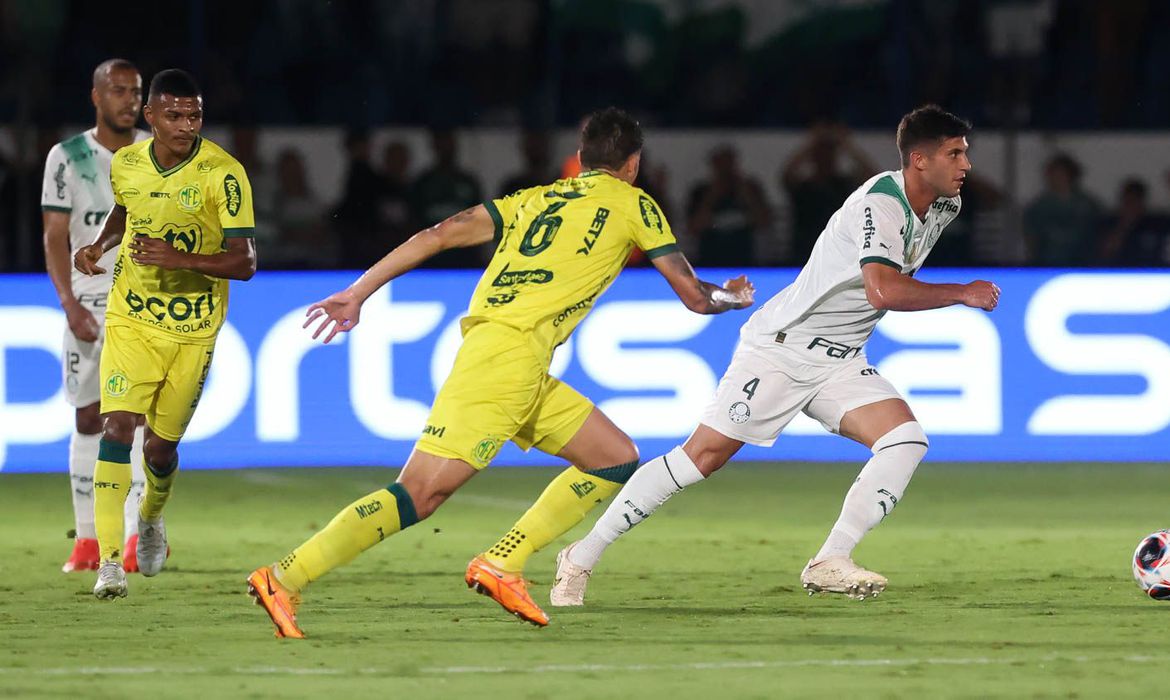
(880, 222)
(55, 192)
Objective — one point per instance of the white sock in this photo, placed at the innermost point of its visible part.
(83, 454)
(137, 484)
(650, 486)
(878, 488)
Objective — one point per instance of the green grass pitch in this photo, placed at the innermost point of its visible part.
(1005, 581)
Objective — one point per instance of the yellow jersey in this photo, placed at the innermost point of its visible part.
(559, 247)
(195, 206)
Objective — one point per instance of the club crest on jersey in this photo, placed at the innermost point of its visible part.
(739, 412)
(235, 196)
(650, 215)
(117, 384)
(486, 450)
(190, 198)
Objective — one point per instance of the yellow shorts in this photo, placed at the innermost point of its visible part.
(153, 376)
(500, 390)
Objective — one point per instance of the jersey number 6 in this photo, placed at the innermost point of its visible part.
(545, 227)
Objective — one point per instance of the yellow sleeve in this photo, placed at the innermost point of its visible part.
(116, 167)
(234, 203)
(651, 230)
(503, 210)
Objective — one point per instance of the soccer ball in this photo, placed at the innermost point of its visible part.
(1151, 565)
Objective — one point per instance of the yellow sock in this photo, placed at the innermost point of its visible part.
(158, 489)
(111, 483)
(563, 504)
(359, 526)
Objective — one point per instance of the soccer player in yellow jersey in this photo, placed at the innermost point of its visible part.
(558, 247)
(183, 216)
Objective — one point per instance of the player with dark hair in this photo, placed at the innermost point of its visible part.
(803, 351)
(558, 248)
(74, 200)
(183, 214)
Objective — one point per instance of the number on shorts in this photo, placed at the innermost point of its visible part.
(750, 387)
(74, 360)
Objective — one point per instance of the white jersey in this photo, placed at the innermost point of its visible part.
(77, 181)
(826, 306)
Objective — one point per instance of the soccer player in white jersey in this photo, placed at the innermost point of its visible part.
(75, 198)
(804, 351)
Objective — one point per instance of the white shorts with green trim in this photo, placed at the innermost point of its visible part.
(763, 389)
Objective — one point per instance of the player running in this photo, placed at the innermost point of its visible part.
(804, 351)
(75, 197)
(183, 213)
(558, 247)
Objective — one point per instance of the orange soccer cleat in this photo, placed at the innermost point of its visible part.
(277, 601)
(507, 589)
(130, 555)
(85, 556)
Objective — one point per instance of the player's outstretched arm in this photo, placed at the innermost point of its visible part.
(888, 289)
(342, 310)
(86, 257)
(238, 262)
(704, 297)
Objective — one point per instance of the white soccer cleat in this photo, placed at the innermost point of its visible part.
(569, 586)
(841, 575)
(152, 546)
(111, 581)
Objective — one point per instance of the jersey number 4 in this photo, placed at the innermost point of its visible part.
(541, 231)
(750, 387)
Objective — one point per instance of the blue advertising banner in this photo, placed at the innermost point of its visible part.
(1072, 366)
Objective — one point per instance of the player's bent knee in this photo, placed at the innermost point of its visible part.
(627, 453)
(709, 449)
(118, 427)
(909, 436)
(424, 497)
(161, 455)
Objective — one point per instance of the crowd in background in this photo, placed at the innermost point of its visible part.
(1043, 64)
(728, 218)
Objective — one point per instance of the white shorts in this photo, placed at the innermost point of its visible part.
(764, 388)
(80, 365)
